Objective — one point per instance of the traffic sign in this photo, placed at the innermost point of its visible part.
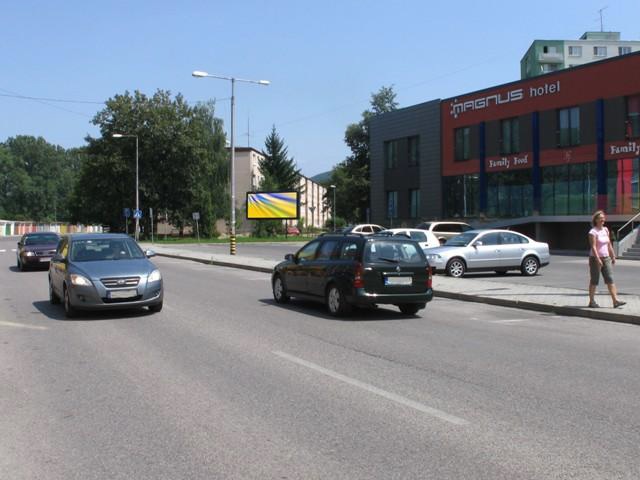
(196, 215)
(126, 212)
(137, 213)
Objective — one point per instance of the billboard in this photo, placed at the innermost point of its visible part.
(272, 205)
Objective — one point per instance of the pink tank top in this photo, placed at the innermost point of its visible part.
(602, 241)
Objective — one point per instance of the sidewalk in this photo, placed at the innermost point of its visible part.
(562, 301)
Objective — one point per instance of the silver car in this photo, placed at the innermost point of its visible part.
(103, 272)
(489, 250)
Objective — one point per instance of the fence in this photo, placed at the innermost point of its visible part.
(14, 227)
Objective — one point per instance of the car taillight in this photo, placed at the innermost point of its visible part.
(358, 281)
(429, 278)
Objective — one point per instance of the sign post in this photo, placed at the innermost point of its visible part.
(196, 217)
(151, 219)
(126, 213)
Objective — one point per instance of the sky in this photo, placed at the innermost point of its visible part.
(323, 59)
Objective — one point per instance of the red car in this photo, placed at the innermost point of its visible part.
(292, 230)
(36, 249)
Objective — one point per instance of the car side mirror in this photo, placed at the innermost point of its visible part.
(57, 258)
(149, 253)
(290, 257)
(478, 243)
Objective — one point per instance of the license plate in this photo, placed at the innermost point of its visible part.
(398, 280)
(122, 293)
(45, 259)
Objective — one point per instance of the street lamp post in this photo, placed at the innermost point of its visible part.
(233, 80)
(334, 206)
(136, 214)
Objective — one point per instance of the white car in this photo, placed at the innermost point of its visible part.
(363, 229)
(425, 238)
(445, 230)
(487, 250)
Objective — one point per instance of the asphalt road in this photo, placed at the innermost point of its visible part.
(223, 383)
(564, 271)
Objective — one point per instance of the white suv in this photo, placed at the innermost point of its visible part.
(445, 230)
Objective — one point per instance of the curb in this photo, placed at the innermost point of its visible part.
(501, 302)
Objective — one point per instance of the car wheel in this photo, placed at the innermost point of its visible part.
(279, 290)
(69, 310)
(501, 272)
(336, 303)
(530, 266)
(155, 308)
(456, 267)
(53, 298)
(410, 308)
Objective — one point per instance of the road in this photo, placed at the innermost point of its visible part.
(223, 383)
(564, 271)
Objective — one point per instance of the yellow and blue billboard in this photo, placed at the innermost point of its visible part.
(273, 205)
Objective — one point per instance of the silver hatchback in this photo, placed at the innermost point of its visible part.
(103, 272)
(489, 250)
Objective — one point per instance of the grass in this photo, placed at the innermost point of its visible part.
(186, 240)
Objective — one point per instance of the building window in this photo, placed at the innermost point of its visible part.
(623, 195)
(392, 204)
(633, 116)
(413, 150)
(391, 154)
(510, 136)
(624, 50)
(568, 189)
(461, 195)
(575, 51)
(599, 51)
(509, 194)
(463, 143)
(414, 203)
(569, 127)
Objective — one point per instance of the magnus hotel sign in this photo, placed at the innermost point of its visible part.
(510, 96)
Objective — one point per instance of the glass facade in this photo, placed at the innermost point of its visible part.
(391, 154)
(413, 150)
(414, 203)
(392, 204)
(510, 136)
(569, 189)
(463, 143)
(569, 127)
(509, 194)
(461, 196)
(622, 186)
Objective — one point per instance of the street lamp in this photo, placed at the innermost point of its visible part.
(233, 80)
(136, 214)
(334, 206)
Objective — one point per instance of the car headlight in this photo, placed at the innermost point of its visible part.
(80, 280)
(434, 257)
(29, 254)
(154, 276)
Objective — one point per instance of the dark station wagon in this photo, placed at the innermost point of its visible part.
(350, 270)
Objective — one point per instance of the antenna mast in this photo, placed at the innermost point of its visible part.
(600, 12)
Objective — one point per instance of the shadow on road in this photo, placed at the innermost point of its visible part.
(56, 312)
(319, 310)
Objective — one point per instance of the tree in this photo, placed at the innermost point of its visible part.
(182, 161)
(351, 176)
(279, 172)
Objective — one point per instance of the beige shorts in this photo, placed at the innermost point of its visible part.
(595, 270)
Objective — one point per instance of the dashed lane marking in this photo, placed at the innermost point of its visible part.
(515, 320)
(20, 325)
(439, 414)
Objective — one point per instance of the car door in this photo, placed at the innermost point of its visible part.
(320, 268)
(296, 274)
(487, 255)
(58, 266)
(512, 249)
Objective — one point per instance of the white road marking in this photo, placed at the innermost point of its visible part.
(20, 325)
(375, 390)
(515, 320)
(3, 250)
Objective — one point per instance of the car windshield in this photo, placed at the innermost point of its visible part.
(393, 252)
(461, 240)
(105, 249)
(40, 239)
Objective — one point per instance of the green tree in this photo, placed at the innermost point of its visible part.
(279, 172)
(351, 176)
(182, 162)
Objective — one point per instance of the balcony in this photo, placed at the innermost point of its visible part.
(550, 58)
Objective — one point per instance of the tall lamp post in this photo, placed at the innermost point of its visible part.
(136, 214)
(233, 80)
(334, 206)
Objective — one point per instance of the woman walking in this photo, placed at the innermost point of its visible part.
(601, 260)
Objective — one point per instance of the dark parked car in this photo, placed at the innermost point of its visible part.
(356, 270)
(103, 272)
(36, 249)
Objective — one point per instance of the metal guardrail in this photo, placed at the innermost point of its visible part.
(631, 222)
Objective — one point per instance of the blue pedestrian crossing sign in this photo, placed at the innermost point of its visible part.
(137, 213)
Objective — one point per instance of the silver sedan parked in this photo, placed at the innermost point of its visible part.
(103, 272)
(489, 250)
